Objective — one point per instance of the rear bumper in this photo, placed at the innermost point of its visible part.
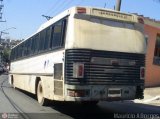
(103, 93)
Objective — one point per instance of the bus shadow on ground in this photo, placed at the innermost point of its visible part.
(80, 111)
(33, 96)
(103, 110)
(106, 110)
(130, 107)
(74, 109)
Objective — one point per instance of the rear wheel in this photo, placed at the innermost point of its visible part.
(12, 82)
(40, 95)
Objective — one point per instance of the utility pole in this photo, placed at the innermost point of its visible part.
(1, 33)
(1, 7)
(4, 32)
(118, 5)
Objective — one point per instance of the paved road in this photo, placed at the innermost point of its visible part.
(17, 101)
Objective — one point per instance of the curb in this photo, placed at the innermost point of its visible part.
(152, 99)
(148, 100)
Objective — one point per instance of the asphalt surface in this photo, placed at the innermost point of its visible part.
(20, 104)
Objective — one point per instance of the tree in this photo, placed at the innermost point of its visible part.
(6, 55)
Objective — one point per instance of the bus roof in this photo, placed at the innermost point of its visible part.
(117, 15)
(101, 12)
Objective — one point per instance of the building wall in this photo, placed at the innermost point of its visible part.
(152, 77)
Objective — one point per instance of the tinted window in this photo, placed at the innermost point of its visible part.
(42, 40)
(22, 50)
(47, 39)
(25, 48)
(50, 38)
(157, 47)
(28, 47)
(36, 48)
(56, 35)
(156, 59)
(12, 57)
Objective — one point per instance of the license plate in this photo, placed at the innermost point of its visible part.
(114, 92)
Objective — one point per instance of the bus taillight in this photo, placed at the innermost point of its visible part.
(78, 70)
(81, 10)
(142, 73)
(77, 93)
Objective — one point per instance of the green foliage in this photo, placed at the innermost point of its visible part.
(6, 55)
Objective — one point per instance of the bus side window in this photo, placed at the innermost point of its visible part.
(25, 48)
(56, 35)
(42, 40)
(29, 47)
(37, 43)
(32, 46)
(18, 52)
(22, 50)
(12, 57)
(47, 38)
(64, 32)
(15, 53)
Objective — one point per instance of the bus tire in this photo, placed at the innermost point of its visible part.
(40, 95)
(12, 82)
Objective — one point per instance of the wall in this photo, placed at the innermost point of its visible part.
(152, 77)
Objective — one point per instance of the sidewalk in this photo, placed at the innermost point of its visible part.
(151, 95)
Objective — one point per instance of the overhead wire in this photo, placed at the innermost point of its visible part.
(52, 7)
(60, 3)
(80, 2)
(65, 5)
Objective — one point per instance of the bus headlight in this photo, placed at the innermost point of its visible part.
(78, 70)
(142, 72)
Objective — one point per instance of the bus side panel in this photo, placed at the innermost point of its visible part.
(47, 84)
(28, 83)
(24, 82)
(18, 81)
(27, 72)
(58, 90)
(52, 88)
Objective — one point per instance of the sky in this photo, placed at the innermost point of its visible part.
(26, 15)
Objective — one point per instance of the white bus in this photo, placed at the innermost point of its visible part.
(83, 54)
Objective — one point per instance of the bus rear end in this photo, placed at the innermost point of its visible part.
(103, 75)
(104, 57)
